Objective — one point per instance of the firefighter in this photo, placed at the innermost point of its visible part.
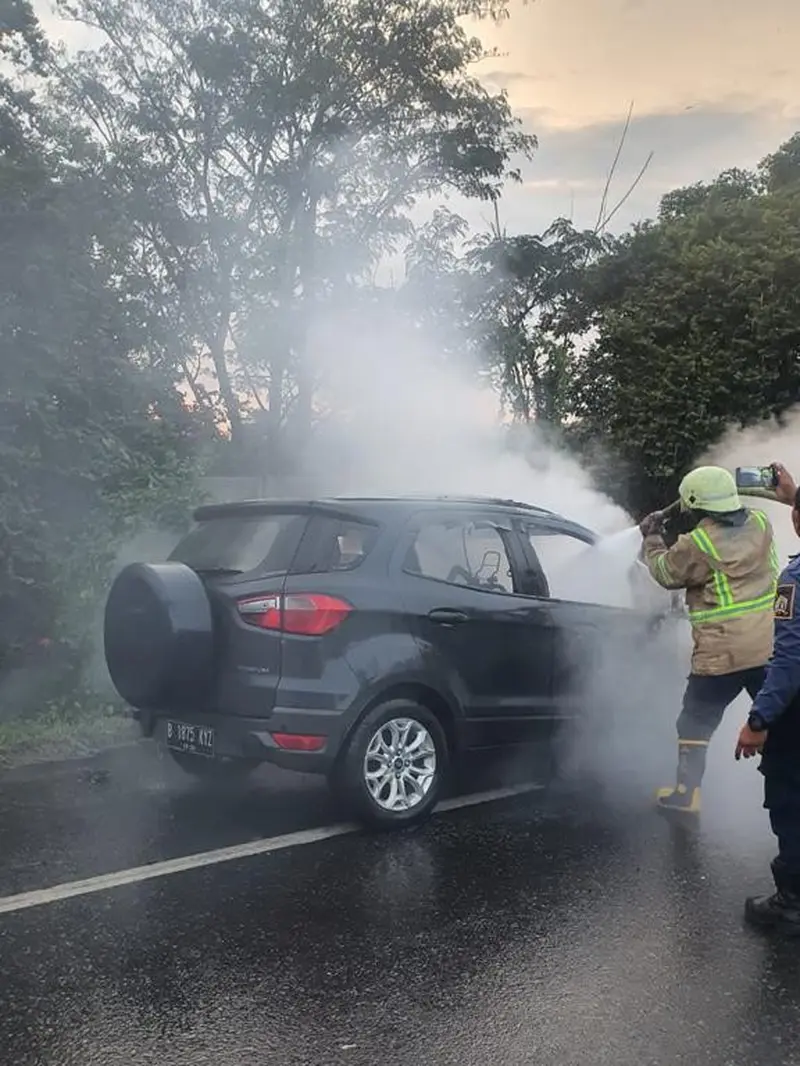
(727, 563)
(773, 728)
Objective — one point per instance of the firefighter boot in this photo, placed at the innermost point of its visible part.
(781, 910)
(684, 798)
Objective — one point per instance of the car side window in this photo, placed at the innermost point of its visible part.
(461, 552)
(563, 558)
(342, 545)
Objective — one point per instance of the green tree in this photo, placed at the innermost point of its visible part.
(269, 153)
(782, 169)
(90, 432)
(502, 296)
(521, 284)
(730, 186)
(692, 323)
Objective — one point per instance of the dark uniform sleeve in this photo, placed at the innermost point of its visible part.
(679, 567)
(782, 682)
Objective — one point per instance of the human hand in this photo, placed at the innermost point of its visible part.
(785, 489)
(651, 523)
(749, 743)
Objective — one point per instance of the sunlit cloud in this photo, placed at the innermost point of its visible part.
(580, 62)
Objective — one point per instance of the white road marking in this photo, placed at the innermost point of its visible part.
(39, 897)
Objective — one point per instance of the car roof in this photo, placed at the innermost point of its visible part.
(489, 502)
(349, 506)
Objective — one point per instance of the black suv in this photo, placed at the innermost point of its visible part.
(371, 640)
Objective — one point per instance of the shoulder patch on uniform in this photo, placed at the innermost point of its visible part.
(784, 601)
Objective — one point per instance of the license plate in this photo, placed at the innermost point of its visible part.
(192, 739)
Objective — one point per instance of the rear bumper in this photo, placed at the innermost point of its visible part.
(249, 738)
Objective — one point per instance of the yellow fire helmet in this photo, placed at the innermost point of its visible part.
(710, 488)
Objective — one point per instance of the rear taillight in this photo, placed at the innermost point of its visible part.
(299, 742)
(304, 613)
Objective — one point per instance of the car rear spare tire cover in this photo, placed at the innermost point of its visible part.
(159, 636)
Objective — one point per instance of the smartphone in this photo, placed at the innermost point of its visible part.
(756, 477)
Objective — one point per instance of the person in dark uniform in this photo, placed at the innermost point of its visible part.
(773, 728)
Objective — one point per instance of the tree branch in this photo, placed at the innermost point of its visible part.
(612, 170)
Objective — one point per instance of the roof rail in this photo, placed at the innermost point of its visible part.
(497, 501)
(492, 501)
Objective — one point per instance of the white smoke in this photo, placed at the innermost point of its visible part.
(761, 445)
(409, 422)
(741, 819)
(417, 424)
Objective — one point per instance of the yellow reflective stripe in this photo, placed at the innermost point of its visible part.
(762, 603)
(722, 587)
(662, 566)
(728, 607)
(704, 542)
(761, 518)
(774, 562)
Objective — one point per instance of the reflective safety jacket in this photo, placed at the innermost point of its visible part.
(729, 571)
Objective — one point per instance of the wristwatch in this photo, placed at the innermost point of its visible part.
(756, 723)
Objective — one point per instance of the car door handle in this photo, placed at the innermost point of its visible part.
(448, 616)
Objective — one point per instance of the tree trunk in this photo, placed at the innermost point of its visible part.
(310, 293)
(216, 349)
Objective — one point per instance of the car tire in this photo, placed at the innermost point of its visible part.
(158, 634)
(214, 771)
(426, 756)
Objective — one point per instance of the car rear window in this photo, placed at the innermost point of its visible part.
(242, 543)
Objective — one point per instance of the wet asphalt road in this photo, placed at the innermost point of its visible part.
(556, 928)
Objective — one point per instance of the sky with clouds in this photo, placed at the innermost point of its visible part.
(714, 84)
